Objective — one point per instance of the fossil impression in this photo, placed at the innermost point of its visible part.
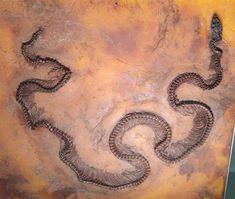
(165, 150)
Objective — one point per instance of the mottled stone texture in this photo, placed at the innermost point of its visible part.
(123, 55)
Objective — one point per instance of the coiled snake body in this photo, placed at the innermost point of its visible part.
(166, 150)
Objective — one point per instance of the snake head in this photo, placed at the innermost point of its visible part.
(216, 28)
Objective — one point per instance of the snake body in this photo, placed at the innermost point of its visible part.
(164, 148)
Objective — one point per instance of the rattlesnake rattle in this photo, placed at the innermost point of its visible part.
(166, 150)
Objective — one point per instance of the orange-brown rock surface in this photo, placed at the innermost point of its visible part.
(123, 55)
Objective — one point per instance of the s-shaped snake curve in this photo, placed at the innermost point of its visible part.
(165, 150)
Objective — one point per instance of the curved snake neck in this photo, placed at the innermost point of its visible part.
(166, 150)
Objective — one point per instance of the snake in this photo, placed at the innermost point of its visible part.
(165, 149)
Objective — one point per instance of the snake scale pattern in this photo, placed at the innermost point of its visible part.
(164, 148)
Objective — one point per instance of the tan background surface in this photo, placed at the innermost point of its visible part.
(123, 55)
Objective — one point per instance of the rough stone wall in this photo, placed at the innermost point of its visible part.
(123, 55)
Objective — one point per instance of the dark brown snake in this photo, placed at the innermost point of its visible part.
(166, 150)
